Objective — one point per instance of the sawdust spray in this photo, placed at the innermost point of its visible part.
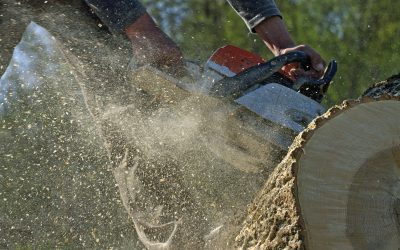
(111, 165)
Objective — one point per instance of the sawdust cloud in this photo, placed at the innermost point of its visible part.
(178, 161)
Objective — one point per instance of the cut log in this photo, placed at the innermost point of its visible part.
(338, 187)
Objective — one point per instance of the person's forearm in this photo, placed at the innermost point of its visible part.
(275, 35)
(264, 18)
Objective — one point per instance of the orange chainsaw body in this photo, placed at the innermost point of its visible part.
(231, 60)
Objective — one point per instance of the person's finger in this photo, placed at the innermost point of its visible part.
(317, 63)
(312, 73)
(296, 72)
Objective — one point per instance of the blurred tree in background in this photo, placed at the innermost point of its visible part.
(364, 36)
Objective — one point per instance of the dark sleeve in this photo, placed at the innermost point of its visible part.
(117, 14)
(254, 12)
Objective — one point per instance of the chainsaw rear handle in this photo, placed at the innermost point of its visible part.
(323, 82)
(234, 86)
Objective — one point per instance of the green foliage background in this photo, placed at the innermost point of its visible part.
(362, 35)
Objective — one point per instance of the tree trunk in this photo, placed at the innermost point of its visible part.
(338, 186)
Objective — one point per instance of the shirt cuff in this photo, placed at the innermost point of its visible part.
(264, 14)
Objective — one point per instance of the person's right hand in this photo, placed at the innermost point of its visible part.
(294, 70)
(277, 38)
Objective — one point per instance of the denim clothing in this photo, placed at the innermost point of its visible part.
(119, 14)
(254, 12)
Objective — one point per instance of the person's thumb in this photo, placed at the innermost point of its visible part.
(317, 62)
(318, 66)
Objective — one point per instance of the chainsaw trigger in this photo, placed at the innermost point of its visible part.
(324, 80)
(316, 88)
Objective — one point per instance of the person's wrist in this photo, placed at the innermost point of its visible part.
(275, 35)
(143, 25)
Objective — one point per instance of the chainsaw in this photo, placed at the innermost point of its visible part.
(265, 89)
(256, 87)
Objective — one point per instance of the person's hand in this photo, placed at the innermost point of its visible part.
(294, 70)
(277, 38)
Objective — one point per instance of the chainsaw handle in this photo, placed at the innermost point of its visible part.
(235, 85)
(316, 88)
(329, 73)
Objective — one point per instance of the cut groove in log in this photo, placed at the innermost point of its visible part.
(338, 187)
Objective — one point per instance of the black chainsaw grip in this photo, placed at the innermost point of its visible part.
(316, 88)
(234, 86)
